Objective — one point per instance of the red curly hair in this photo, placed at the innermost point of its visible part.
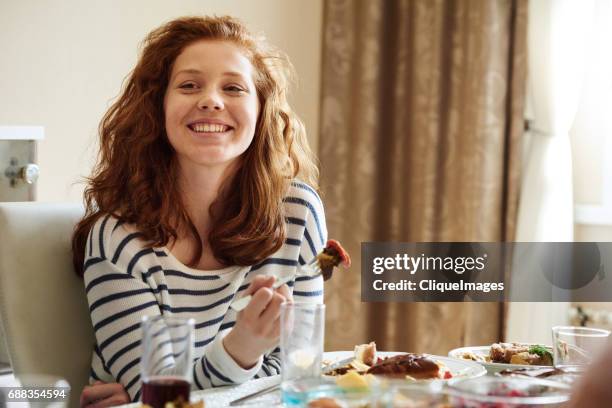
(134, 177)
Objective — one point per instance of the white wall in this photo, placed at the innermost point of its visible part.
(63, 62)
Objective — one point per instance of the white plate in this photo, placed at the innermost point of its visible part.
(492, 368)
(459, 368)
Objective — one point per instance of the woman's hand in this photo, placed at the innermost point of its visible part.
(257, 327)
(101, 395)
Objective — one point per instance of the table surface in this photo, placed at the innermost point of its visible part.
(222, 396)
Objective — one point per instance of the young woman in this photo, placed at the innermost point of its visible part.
(204, 192)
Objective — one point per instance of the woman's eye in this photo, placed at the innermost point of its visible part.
(188, 85)
(234, 88)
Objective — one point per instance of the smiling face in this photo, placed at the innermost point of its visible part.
(211, 104)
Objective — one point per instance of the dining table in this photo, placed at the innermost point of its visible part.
(220, 397)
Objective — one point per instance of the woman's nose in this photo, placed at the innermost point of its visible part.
(211, 101)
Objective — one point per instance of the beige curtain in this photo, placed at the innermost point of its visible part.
(421, 119)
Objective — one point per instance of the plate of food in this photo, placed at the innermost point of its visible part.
(506, 356)
(367, 362)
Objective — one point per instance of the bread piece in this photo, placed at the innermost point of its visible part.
(366, 353)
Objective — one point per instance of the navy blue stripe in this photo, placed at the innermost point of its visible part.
(216, 372)
(123, 313)
(205, 371)
(104, 278)
(134, 381)
(118, 335)
(170, 272)
(295, 221)
(137, 257)
(293, 241)
(122, 352)
(161, 253)
(301, 260)
(122, 245)
(198, 292)
(126, 368)
(116, 296)
(263, 367)
(154, 269)
(306, 278)
(91, 262)
(243, 287)
(91, 242)
(306, 294)
(137, 396)
(161, 360)
(274, 261)
(209, 322)
(274, 364)
(201, 308)
(274, 360)
(307, 188)
(195, 377)
(311, 244)
(101, 236)
(227, 325)
(101, 357)
(118, 224)
(297, 200)
(93, 375)
(204, 342)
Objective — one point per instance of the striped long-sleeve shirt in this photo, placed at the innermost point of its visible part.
(125, 280)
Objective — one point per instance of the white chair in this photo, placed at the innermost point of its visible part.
(43, 307)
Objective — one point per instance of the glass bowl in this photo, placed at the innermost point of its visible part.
(507, 392)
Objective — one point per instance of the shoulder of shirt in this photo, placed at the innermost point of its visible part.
(110, 234)
(305, 196)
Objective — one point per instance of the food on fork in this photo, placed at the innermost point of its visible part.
(333, 255)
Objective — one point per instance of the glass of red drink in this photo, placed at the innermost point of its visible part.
(167, 359)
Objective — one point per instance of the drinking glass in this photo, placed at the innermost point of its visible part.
(167, 359)
(302, 332)
(575, 347)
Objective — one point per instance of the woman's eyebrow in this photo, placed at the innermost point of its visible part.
(187, 71)
(198, 72)
(232, 73)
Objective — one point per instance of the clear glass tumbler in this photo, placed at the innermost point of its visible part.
(167, 359)
(301, 342)
(575, 347)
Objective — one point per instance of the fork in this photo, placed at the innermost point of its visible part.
(311, 269)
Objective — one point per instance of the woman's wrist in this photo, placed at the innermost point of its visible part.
(240, 352)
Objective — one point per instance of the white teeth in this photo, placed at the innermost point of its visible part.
(209, 127)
